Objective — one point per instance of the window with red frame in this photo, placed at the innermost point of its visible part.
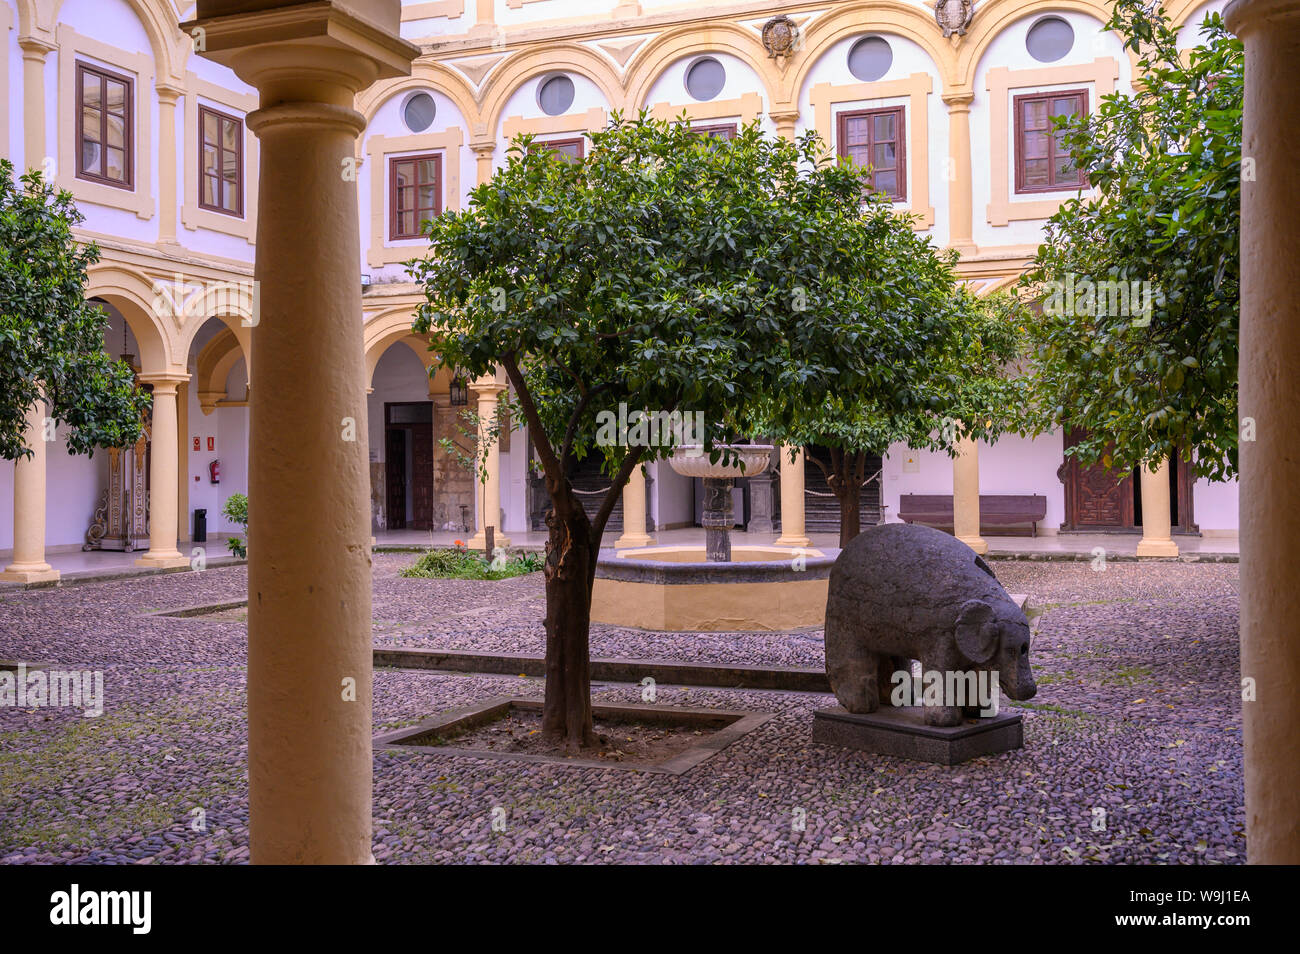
(414, 193)
(221, 162)
(874, 138)
(105, 126)
(570, 149)
(1043, 162)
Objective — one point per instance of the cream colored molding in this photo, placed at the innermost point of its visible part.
(140, 198)
(1000, 82)
(916, 88)
(194, 216)
(519, 4)
(590, 121)
(476, 68)
(378, 149)
(451, 9)
(747, 108)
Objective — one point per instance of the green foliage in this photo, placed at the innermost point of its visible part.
(1165, 165)
(51, 338)
(236, 510)
(460, 564)
(672, 273)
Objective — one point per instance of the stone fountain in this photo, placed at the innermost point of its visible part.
(746, 460)
(716, 588)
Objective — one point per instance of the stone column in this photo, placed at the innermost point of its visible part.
(29, 564)
(1270, 396)
(960, 214)
(1157, 537)
(489, 391)
(634, 531)
(483, 153)
(164, 492)
(792, 515)
(966, 495)
(167, 164)
(309, 588)
(34, 52)
(784, 120)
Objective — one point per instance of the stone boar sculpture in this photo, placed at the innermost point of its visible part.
(900, 592)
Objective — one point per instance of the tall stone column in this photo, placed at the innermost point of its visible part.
(792, 512)
(1269, 399)
(167, 164)
(164, 490)
(960, 207)
(309, 639)
(966, 496)
(1157, 531)
(29, 565)
(34, 51)
(489, 391)
(634, 530)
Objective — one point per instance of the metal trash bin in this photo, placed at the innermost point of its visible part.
(200, 526)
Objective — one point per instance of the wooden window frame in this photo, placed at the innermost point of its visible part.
(550, 146)
(436, 158)
(1018, 157)
(841, 120)
(710, 129)
(128, 139)
(239, 160)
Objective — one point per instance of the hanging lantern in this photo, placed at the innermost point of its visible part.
(459, 391)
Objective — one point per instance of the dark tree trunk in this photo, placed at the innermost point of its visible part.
(570, 572)
(850, 512)
(846, 482)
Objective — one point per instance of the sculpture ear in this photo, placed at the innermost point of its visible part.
(977, 634)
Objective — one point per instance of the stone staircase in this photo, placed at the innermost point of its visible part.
(822, 513)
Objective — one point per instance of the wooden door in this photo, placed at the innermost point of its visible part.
(1095, 498)
(395, 472)
(422, 477)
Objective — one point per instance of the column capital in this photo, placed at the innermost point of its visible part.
(164, 382)
(1246, 16)
(35, 47)
(958, 100)
(168, 94)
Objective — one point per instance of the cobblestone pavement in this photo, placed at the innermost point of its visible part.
(1137, 722)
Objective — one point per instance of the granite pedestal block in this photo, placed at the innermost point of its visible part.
(902, 733)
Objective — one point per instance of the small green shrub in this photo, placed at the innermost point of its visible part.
(460, 564)
(236, 510)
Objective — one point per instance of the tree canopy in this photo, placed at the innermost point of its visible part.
(51, 338)
(664, 272)
(1138, 281)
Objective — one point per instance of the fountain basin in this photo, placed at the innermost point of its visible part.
(766, 589)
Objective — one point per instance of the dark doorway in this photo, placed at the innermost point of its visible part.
(408, 464)
(1097, 499)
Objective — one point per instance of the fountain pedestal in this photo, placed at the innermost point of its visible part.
(719, 518)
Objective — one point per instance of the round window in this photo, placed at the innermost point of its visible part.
(870, 58)
(705, 78)
(555, 95)
(419, 111)
(1049, 39)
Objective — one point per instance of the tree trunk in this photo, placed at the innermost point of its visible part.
(850, 496)
(570, 572)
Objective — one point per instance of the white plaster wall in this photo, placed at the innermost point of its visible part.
(670, 87)
(388, 122)
(1214, 506)
(909, 57)
(1008, 50)
(14, 78)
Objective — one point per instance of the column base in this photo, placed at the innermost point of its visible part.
(29, 573)
(163, 561)
(978, 544)
(629, 540)
(1157, 548)
(784, 541)
(479, 541)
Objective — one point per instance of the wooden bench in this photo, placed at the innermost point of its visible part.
(995, 510)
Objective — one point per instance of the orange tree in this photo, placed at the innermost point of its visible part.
(666, 272)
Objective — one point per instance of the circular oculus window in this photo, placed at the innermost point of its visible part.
(418, 112)
(1049, 39)
(705, 78)
(870, 58)
(555, 95)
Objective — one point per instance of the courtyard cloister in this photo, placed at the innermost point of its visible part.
(248, 708)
